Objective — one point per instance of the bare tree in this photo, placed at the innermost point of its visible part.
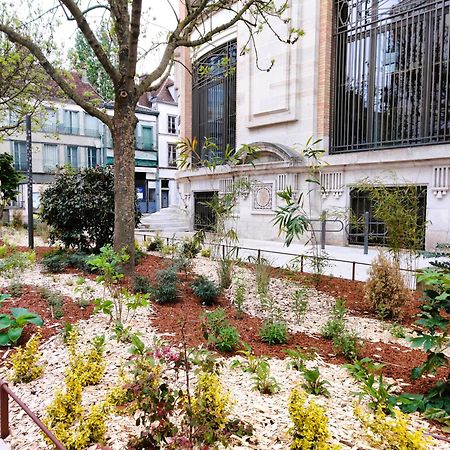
(193, 29)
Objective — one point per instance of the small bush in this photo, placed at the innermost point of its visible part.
(17, 262)
(310, 430)
(227, 339)
(347, 343)
(385, 289)
(24, 361)
(142, 285)
(219, 332)
(300, 304)
(59, 260)
(206, 290)
(336, 323)
(263, 381)
(262, 270)
(205, 252)
(225, 272)
(239, 300)
(15, 288)
(274, 333)
(17, 220)
(55, 300)
(166, 291)
(156, 244)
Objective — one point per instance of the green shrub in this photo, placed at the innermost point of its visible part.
(55, 300)
(263, 381)
(57, 261)
(385, 289)
(205, 252)
(17, 262)
(225, 272)
(227, 339)
(166, 290)
(15, 288)
(336, 323)
(239, 299)
(347, 343)
(142, 285)
(206, 290)
(79, 208)
(155, 244)
(218, 331)
(314, 384)
(274, 332)
(300, 304)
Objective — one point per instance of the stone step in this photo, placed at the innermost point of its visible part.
(3, 445)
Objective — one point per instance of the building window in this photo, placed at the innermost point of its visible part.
(204, 215)
(214, 101)
(51, 157)
(92, 156)
(20, 156)
(360, 202)
(50, 120)
(147, 138)
(71, 122)
(91, 126)
(172, 156)
(72, 156)
(172, 124)
(391, 75)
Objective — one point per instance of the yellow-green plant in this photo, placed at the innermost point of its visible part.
(310, 430)
(25, 365)
(211, 405)
(391, 432)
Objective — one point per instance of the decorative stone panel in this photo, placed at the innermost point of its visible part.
(332, 183)
(262, 197)
(441, 181)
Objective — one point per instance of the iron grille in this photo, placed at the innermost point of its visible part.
(360, 202)
(391, 74)
(204, 216)
(214, 100)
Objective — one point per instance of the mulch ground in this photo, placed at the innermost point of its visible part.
(34, 302)
(187, 311)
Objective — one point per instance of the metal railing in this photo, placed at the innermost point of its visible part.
(5, 394)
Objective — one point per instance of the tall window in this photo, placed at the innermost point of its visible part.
(50, 120)
(172, 124)
(147, 138)
(172, 155)
(20, 155)
(71, 122)
(214, 99)
(91, 126)
(51, 157)
(92, 156)
(392, 82)
(72, 156)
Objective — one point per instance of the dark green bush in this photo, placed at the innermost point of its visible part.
(166, 291)
(79, 208)
(142, 285)
(206, 290)
(218, 331)
(57, 261)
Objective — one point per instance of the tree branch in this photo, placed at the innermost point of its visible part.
(54, 73)
(135, 26)
(92, 40)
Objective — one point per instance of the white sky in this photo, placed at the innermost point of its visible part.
(157, 19)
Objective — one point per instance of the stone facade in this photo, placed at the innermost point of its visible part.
(283, 108)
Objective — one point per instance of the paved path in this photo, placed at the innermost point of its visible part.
(350, 258)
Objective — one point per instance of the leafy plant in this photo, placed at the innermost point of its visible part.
(25, 367)
(262, 274)
(219, 332)
(55, 300)
(239, 299)
(205, 252)
(142, 285)
(58, 260)
(362, 368)
(314, 384)
(206, 290)
(262, 381)
(17, 262)
(274, 332)
(385, 289)
(9, 181)
(155, 244)
(347, 343)
(298, 356)
(336, 323)
(11, 326)
(251, 362)
(15, 288)
(89, 222)
(397, 330)
(300, 303)
(225, 272)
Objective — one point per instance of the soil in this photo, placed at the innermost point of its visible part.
(33, 301)
(186, 313)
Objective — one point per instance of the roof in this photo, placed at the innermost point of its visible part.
(81, 86)
(163, 94)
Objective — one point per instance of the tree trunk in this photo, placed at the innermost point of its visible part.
(124, 123)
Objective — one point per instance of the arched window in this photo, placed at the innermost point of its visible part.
(214, 100)
(391, 75)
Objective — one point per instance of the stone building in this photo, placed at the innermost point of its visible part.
(370, 79)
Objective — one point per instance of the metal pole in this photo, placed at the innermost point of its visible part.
(30, 182)
(323, 230)
(366, 232)
(4, 412)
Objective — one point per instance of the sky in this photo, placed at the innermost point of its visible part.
(157, 20)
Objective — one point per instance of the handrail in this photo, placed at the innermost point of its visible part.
(5, 393)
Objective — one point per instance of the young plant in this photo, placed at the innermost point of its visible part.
(336, 323)
(274, 332)
(347, 343)
(397, 331)
(155, 244)
(262, 381)
(15, 288)
(299, 304)
(262, 273)
(25, 367)
(314, 384)
(219, 332)
(239, 300)
(16, 262)
(225, 272)
(166, 290)
(298, 357)
(206, 290)
(142, 285)
(11, 326)
(55, 300)
(251, 362)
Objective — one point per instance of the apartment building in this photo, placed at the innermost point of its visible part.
(370, 78)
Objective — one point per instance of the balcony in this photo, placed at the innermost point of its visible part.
(141, 144)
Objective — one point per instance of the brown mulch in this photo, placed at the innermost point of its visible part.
(169, 318)
(33, 301)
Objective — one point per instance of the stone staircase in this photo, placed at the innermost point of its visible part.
(168, 219)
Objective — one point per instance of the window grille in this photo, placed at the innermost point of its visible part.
(441, 181)
(281, 182)
(226, 186)
(331, 183)
(214, 101)
(391, 74)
